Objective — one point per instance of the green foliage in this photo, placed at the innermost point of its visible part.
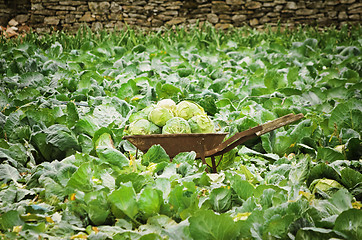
(66, 101)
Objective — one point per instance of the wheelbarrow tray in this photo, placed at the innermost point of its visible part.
(177, 143)
(206, 144)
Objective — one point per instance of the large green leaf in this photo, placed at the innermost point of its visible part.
(347, 115)
(183, 198)
(150, 201)
(313, 233)
(349, 223)
(97, 206)
(206, 224)
(242, 187)
(329, 155)
(61, 137)
(8, 173)
(155, 154)
(10, 219)
(82, 179)
(124, 199)
(112, 156)
(300, 171)
(220, 199)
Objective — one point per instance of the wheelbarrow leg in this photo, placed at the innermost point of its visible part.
(214, 170)
(202, 156)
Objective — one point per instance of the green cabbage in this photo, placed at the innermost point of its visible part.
(201, 124)
(167, 103)
(176, 125)
(143, 127)
(160, 116)
(187, 110)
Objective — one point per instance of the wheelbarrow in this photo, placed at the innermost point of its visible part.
(206, 144)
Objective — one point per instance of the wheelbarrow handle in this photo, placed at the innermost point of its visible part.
(241, 137)
(279, 122)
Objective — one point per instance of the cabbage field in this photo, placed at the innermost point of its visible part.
(65, 104)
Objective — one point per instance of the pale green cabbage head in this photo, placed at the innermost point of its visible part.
(143, 127)
(201, 124)
(176, 125)
(160, 116)
(187, 110)
(167, 103)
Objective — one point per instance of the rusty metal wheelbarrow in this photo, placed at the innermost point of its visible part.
(206, 144)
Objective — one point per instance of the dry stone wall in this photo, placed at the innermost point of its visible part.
(44, 15)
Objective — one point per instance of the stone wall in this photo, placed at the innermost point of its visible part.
(13, 8)
(152, 14)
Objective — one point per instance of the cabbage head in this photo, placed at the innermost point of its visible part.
(160, 116)
(143, 127)
(143, 114)
(167, 103)
(201, 124)
(176, 125)
(187, 110)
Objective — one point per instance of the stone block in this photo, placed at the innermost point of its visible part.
(264, 20)
(139, 3)
(224, 17)
(13, 23)
(315, 5)
(115, 16)
(42, 29)
(156, 22)
(61, 13)
(220, 7)
(22, 18)
(59, 7)
(83, 8)
(70, 18)
(253, 22)
(212, 18)
(355, 17)
(104, 6)
(355, 5)
(170, 13)
(87, 17)
(37, 6)
(331, 2)
(176, 21)
(115, 7)
(332, 14)
(305, 12)
(273, 14)
(269, 4)
(253, 5)
(238, 19)
(356, 11)
(71, 3)
(163, 17)
(51, 20)
(34, 18)
(139, 16)
(235, 2)
(278, 8)
(93, 6)
(291, 5)
(223, 26)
